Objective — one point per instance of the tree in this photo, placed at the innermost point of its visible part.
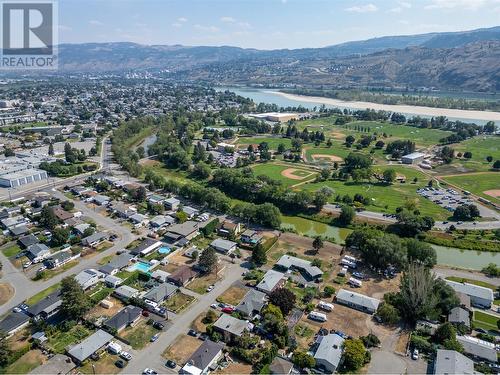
(48, 218)
(202, 170)
(489, 158)
(496, 164)
(60, 236)
(259, 255)
(421, 252)
(466, 212)
(51, 149)
(389, 175)
(281, 148)
(5, 350)
(317, 243)
(354, 354)
(69, 154)
(370, 340)
(347, 215)
(489, 127)
(447, 154)
(208, 259)
(491, 270)
(349, 140)
(284, 299)
(388, 313)
(467, 154)
(67, 205)
(88, 232)
(140, 152)
(139, 194)
(444, 332)
(75, 303)
(303, 360)
(181, 216)
(453, 344)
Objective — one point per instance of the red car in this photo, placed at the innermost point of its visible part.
(228, 310)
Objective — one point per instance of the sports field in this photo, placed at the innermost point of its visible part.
(478, 183)
(480, 147)
(288, 175)
(273, 142)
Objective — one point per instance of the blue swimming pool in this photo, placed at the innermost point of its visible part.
(164, 250)
(139, 266)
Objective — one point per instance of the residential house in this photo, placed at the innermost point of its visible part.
(478, 348)
(14, 322)
(80, 229)
(59, 259)
(27, 241)
(79, 190)
(190, 211)
(101, 200)
(230, 327)
(59, 364)
(139, 220)
(228, 229)
(224, 246)
(148, 245)
(95, 239)
(62, 214)
(122, 210)
(329, 353)
(459, 316)
(479, 295)
(251, 237)
(357, 301)
(161, 221)
(252, 303)
(125, 292)
(287, 262)
(271, 281)
(172, 204)
(37, 252)
(182, 276)
(116, 264)
(187, 230)
(204, 359)
(280, 366)
(11, 222)
(156, 199)
(18, 230)
(46, 307)
(160, 275)
(126, 317)
(83, 350)
(452, 362)
(113, 281)
(88, 278)
(160, 293)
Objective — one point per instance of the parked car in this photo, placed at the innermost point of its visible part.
(214, 306)
(192, 332)
(171, 364)
(158, 325)
(145, 313)
(203, 337)
(414, 355)
(27, 264)
(120, 363)
(228, 310)
(126, 356)
(154, 337)
(149, 371)
(210, 288)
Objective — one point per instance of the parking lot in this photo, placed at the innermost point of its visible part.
(449, 199)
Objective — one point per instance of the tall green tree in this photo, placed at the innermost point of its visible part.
(48, 219)
(208, 259)
(259, 255)
(5, 350)
(75, 303)
(354, 354)
(317, 243)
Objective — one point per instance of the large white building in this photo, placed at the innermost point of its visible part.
(22, 177)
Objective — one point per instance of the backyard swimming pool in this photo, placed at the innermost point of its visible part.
(164, 250)
(139, 266)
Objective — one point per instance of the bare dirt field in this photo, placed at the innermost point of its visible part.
(182, 349)
(233, 295)
(6, 292)
(328, 157)
(101, 311)
(198, 324)
(495, 193)
(296, 174)
(236, 367)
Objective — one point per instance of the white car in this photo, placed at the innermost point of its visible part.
(27, 264)
(414, 355)
(213, 306)
(149, 371)
(126, 356)
(210, 288)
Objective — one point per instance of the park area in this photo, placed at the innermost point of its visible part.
(272, 142)
(486, 185)
(288, 175)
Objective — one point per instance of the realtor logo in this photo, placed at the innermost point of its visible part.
(28, 34)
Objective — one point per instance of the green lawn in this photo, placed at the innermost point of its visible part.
(11, 251)
(179, 302)
(275, 172)
(44, 293)
(477, 183)
(62, 339)
(481, 147)
(26, 363)
(485, 321)
(138, 336)
(273, 142)
(470, 281)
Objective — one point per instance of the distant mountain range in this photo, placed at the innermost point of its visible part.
(455, 60)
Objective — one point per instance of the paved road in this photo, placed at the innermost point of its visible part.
(444, 272)
(25, 288)
(151, 355)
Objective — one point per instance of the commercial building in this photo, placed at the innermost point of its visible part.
(24, 177)
(413, 158)
(276, 116)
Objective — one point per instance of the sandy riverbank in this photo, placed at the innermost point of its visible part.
(409, 109)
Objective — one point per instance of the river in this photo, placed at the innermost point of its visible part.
(291, 100)
(446, 256)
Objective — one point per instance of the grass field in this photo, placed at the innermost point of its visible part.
(337, 149)
(386, 198)
(44, 293)
(11, 251)
(139, 335)
(273, 142)
(477, 183)
(27, 362)
(485, 321)
(275, 171)
(480, 147)
(62, 339)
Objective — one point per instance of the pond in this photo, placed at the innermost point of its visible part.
(313, 228)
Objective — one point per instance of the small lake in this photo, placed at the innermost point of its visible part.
(270, 96)
(447, 256)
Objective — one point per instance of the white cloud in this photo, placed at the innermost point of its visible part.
(64, 28)
(461, 4)
(95, 23)
(177, 24)
(363, 8)
(228, 19)
(402, 5)
(182, 19)
(244, 25)
(211, 29)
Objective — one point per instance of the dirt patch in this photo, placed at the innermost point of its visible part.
(200, 284)
(291, 174)
(6, 292)
(198, 324)
(182, 349)
(236, 367)
(325, 156)
(149, 162)
(337, 135)
(101, 311)
(302, 246)
(495, 193)
(402, 342)
(233, 295)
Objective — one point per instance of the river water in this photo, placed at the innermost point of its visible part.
(271, 96)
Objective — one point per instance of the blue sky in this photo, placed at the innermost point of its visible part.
(265, 24)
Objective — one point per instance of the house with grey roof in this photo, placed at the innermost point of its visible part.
(83, 350)
(125, 292)
(126, 317)
(190, 211)
(37, 252)
(280, 366)
(224, 246)
(88, 278)
(14, 322)
(328, 356)
(187, 230)
(59, 259)
(116, 264)
(46, 307)
(357, 301)
(479, 295)
(252, 303)
(204, 359)
(156, 199)
(146, 246)
(288, 262)
(459, 316)
(95, 239)
(478, 348)
(101, 200)
(251, 237)
(230, 327)
(271, 281)
(27, 241)
(113, 281)
(59, 364)
(160, 293)
(80, 228)
(139, 219)
(160, 221)
(452, 362)
(172, 203)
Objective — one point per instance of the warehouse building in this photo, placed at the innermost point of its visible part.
(413, 158)
(24, 177)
